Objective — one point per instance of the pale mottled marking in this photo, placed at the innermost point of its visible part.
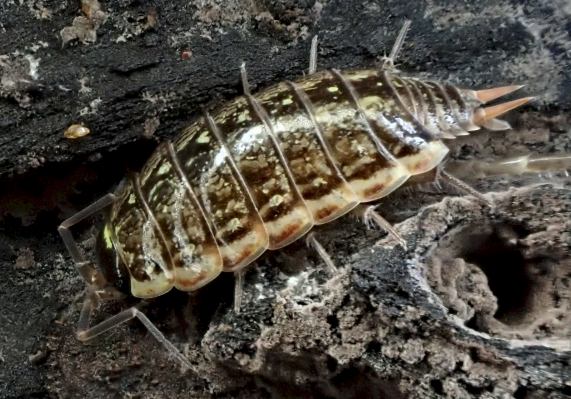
(320, 183)
(138, 246)
(351, 145)
(263, 169)
(415, 147)
(221, 193)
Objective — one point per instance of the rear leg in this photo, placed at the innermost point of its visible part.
(525, 164)
(371, 218)
(447, 178)
(312, 242)
(97, 288)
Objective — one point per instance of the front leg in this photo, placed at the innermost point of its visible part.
(97, 288)
(85, 332)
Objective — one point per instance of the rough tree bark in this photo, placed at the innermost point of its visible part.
(478, 306)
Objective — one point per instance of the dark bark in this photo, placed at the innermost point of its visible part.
(454, 315)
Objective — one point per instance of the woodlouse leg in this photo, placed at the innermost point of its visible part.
(313, 56)
(85, 268)
(371, 217)
(86, 333)
(389, 62)
(312, 242)
(244, 78)
(512, 166)
(238, 289)
(453, 181)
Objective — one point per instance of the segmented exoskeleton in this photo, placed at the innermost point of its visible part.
(260, 171)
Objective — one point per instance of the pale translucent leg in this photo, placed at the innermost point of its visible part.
(529, 163)
(244, 78)
(313, 56)
(312, 242)
(546, 163)
(371, 217)
(97, 290)
(389, 62)
(238, 289)
(438, 183)
(461, 185)
(478, 169)
(86, 333)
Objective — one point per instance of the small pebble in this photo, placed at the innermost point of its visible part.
(76, 131)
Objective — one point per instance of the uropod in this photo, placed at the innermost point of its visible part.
(261, 170)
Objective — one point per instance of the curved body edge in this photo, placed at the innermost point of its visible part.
(261, 170)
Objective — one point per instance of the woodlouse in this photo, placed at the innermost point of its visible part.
(262, 170)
